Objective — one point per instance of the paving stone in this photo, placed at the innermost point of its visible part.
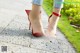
(44, 44)
(11, 48)
(18, 5)
(16, 33)
(5, 18)
(54, 45)
(22, 20)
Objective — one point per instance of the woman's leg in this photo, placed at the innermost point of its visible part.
(35, 17)
(53, 21)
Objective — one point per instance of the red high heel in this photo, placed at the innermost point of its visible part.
(54, 13)
(34, 34)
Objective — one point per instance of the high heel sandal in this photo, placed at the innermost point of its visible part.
(37, 34)
(54, 13)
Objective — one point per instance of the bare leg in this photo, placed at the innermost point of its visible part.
(35, 19)
(53, 21)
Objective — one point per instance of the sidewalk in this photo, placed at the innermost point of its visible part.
(15, 35)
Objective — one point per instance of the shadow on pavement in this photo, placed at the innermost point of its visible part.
(15, 32)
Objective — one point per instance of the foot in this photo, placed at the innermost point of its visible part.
(52, 25)
(36, 24)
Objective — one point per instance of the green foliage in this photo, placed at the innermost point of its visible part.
(76, 19)
(48, 4)
(73, 10)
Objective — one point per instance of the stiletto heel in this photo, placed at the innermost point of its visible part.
(29, 26)
(34, 34)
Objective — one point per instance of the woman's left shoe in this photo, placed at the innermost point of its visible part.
(36, 34)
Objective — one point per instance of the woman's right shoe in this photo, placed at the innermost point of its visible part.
(56, 14)
(37, 34)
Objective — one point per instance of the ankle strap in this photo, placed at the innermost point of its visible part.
(56, 14)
